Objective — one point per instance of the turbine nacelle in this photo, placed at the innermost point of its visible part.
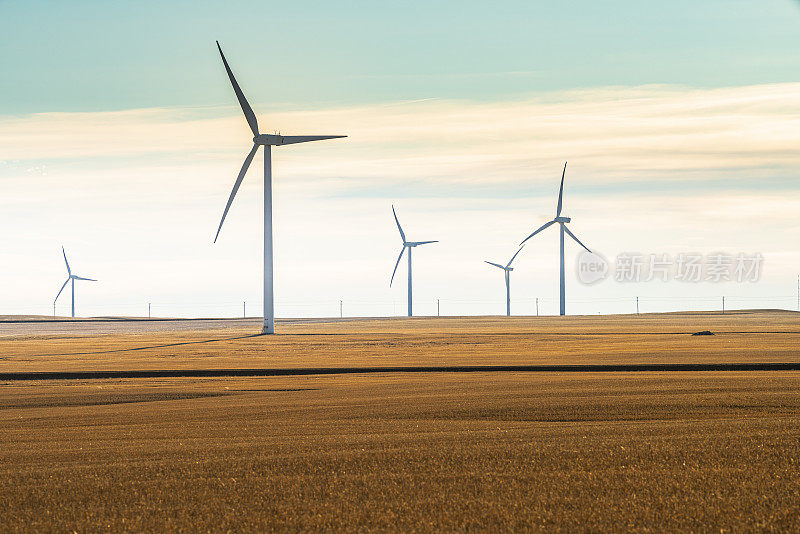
(268, 139)
(562, 219)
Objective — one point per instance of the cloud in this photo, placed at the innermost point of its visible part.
(611, 134)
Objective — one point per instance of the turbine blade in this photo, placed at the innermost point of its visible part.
(423, 242)
(248, 111)
(514, 256)
(545, 225)
(81, 278)
(293, 139)
(69, 271)
(575, 238)
(561, 191)
(398, 263)
(236, 185)
(60, 290)
(495, 264)
(402, 233)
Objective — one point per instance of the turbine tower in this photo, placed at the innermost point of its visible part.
(267, 141)
(406, 245)
(507, 269)
(563, 222)
(70, 279)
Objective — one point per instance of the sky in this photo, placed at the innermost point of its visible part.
(120, 139)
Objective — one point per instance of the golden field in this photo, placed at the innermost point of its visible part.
(769, 336)
(646, 451)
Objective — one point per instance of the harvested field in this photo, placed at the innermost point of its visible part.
(657, 338)
(397, 451)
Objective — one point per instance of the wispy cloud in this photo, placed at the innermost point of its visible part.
(650, 133)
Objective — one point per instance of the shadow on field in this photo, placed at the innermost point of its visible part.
(106, 399)
(111, 398)
(162, 346)
(400, 337)
(306, 371)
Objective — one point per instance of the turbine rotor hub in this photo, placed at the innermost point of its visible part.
(562, 219)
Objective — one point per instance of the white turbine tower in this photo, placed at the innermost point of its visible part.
(406, 245)
(563, 222)
(70, 279)
(267, 141)
(507, 270)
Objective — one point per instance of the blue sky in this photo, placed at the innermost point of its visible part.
(120, 138)
(111, 55)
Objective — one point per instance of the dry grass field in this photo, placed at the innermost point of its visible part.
(646, 451)
(652, 338)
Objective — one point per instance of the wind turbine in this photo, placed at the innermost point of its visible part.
(406, 245)
(70, 279)
(563, 222)
(267, 141)
(507, 269)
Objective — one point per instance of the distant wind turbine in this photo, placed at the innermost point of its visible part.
(507, 269)
(70, 279)
(563, 222)
(406, 245)
(267, 141)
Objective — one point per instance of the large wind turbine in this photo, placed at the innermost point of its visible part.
(70, 279)
(267, 141)
(507, 269)
(406, 245)
(563, 222)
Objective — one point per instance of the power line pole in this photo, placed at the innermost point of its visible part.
(244, 309)
(148, 310)
(341, 310)
(723, 304)
(637, 305)
(437, 307)
(537, 306)
(798, 292)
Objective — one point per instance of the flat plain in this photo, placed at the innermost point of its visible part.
(570, 451)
